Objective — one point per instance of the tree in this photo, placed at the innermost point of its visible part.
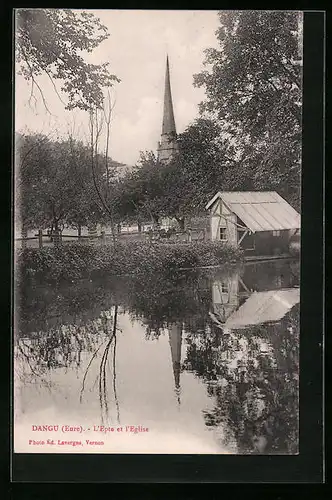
(182, 187)
(54, 183)
(199, 170)
(49, 41)
(105, 185)
(141, 191)
(30, 158)
(254, 90)
(87, 208)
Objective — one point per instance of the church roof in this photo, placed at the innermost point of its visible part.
(260, 210)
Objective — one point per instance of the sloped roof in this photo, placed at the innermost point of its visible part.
(262, 307)
(260, 210)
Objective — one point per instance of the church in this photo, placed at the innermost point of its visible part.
(168, 148)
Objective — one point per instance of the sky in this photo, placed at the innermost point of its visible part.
(136, 50)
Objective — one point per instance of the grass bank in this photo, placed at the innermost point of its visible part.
(76, 261)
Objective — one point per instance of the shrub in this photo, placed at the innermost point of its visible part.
(76, 261)
(67, 262)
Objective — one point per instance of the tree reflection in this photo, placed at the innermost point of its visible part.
(62, 347)
(161, 301)
(57, 347)
(103, 393)
(253, 376)
(40, 307)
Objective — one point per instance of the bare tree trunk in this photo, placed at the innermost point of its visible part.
(40, 238)
(94, 144)
(56, 237)
(108, 115)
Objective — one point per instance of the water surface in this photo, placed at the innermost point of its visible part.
(207, 362)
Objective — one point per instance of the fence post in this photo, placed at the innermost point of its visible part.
(189, 235)
(24, 236)
(103, 238)
(40, 238)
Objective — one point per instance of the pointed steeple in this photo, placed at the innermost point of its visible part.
(168, 118)
(167, 146)
(175, 342)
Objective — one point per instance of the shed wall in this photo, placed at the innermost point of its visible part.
(221, 217)
(267, 244)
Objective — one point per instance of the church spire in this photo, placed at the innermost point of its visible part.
(168, 118)
(167, 145)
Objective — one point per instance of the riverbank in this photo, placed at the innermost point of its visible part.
(76, 261)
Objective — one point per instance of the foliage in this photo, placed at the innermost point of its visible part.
(254, 90)
(55, 263)
(55, 183)
(50, 41)
(75, 261)
(140, 193)
(200, 168)
(182, 187)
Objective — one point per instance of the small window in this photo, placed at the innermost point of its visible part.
(224, 287)
(276, 233)
(222, 233)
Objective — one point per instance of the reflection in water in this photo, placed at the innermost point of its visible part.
(175, 342)
(253, 375)
(232, 341)
(110, 331)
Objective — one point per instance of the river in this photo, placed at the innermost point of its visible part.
(204, 362)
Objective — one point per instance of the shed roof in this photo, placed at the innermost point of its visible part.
(263, 307)
(260, 210)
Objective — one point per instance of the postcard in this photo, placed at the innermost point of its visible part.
(157, 231)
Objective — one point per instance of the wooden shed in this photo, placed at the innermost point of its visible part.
(260, 222)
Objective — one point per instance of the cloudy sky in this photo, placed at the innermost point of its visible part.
(136, 51)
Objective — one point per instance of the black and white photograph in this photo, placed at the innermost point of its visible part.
(157, 231)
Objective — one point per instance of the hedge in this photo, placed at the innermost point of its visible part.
(76, 261)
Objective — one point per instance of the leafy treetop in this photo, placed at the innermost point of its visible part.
(50, 41)
(254, 90)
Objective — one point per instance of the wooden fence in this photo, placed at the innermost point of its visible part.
(41, 239)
